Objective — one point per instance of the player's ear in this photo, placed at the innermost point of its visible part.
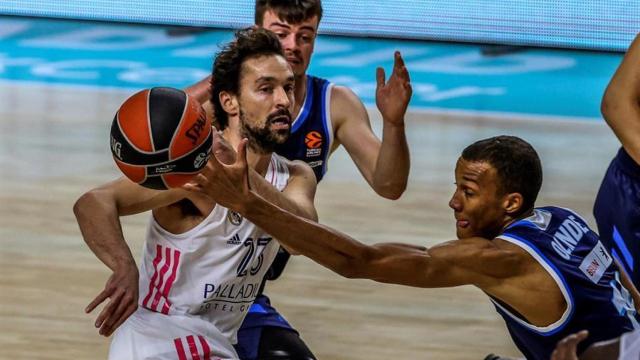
(229, 103)
(513, 203)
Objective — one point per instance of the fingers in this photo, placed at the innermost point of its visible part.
(196, 184)
(398, 61)
(129, 311)
(108, 310)
(566, 348)
(242, 152)
(380, 77)
(97, 301)
(399, 67)
(124, 304)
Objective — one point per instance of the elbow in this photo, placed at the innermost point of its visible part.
(391, 191)
(82, 204)
(88, 203)
(607, 105)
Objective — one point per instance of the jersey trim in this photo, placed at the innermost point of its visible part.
(303, 115)
(557, 277)
(327, 88)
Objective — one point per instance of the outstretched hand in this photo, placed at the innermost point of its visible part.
(392, 96)
(227, 185)
(567, 347)
(122, 291)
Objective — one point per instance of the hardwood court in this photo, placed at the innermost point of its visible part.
(54, 146)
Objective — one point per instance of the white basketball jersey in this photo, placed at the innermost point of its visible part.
(212, 271)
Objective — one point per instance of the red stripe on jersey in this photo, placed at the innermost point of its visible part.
(170, 280)
(180, 349)
(192, 347)
(163, 272)
(205, 348)
(156, 261)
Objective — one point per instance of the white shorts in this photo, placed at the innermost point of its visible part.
(151, 335)
(630, 346)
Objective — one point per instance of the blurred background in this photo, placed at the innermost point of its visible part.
(535, 69)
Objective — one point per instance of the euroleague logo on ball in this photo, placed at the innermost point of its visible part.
(313, 140)
(200, 160)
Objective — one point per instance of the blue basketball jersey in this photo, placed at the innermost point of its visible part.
(576, 259)
(312, 132)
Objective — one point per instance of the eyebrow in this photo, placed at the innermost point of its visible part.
(305, 27)
(470, 179)
(273, 79)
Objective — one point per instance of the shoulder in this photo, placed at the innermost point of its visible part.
(346, 105)
(344, 96)
(297, 169)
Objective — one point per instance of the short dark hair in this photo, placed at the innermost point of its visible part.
(248, 43)
(291, 11)
(516, 162)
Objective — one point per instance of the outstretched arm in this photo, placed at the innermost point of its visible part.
(97, 213)
(384, 164)
(621, 101)
(448, 264)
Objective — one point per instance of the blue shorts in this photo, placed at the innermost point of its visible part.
(617, 212)
(261, 314)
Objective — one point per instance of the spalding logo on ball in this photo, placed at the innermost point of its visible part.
(161, 138)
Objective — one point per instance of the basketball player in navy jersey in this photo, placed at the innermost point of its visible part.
(545, 271)
(617, 206)
(254, 90)
(326, 116)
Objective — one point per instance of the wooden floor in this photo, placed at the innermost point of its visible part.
(54, 146)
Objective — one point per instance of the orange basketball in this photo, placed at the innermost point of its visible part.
(160, 138)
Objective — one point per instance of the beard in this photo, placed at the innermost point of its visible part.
(263, 139)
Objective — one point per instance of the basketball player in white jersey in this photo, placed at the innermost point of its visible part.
(626, 347)
(202, 264)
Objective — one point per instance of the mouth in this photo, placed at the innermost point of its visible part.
(280, 122)
(293, 60)
(462, 223)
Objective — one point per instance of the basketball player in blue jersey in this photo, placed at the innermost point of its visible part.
(545, 271)
(326, 115)
(617, 206)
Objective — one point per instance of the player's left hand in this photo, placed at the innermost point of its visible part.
(567, 347)
(227, 185)
(392, 96)
(122, 291)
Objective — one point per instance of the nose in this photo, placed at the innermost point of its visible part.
(289, 43)
(454, 203)
(282, 98)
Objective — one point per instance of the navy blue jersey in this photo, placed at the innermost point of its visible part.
(586, 274)
(312, 132)
(617, 212)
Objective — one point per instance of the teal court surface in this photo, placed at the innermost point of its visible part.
(538, 83)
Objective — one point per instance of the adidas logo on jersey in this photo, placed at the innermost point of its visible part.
(235, 240)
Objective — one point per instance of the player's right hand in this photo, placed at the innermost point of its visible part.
(122, 291)
(567, 347)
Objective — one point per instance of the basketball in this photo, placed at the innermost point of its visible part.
(161, 138)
